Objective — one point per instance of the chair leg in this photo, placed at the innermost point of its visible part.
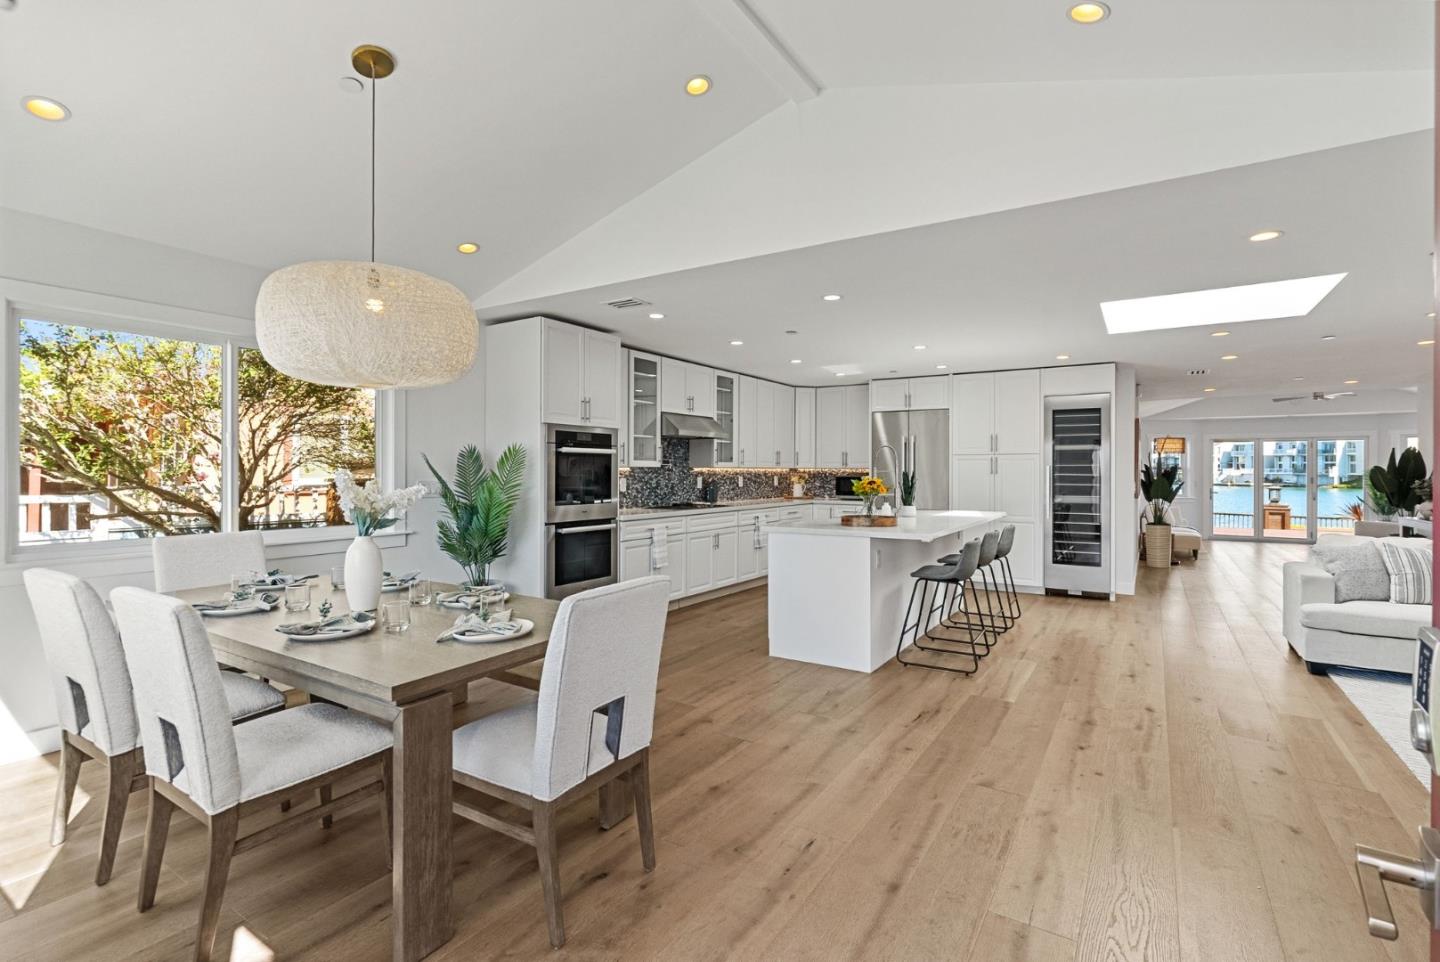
(387, 804)
(71, 759)
(222, 830)
(549, 857)
(644, 822)
(157, 829)
(325, 792)
(120, 770)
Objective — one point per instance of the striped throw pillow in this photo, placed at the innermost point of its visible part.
(1409, 572)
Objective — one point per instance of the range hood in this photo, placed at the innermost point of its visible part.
(690, 426)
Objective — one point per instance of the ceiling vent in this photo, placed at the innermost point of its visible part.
(625, 303)
(1196, 372)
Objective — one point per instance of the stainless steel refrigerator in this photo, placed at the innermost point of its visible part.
(1078, 535)
(917, 441)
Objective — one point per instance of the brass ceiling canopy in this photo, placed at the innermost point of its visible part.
(372, 61)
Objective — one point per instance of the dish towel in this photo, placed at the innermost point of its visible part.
(659, 549)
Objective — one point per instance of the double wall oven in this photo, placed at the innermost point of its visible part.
(582, 504)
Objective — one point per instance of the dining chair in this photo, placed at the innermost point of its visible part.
(94, 701)
(201, 560)
(589, 724)
(219, 774)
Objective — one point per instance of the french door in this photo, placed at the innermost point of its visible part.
(1286, 489)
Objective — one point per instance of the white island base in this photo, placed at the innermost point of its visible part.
(838, 594)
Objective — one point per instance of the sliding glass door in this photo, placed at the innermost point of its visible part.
(1340, 484)
(1295, 490)
(1232, 489)
(1287, 491)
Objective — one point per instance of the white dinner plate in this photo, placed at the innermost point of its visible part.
(248, 607)
(461, 606)
(526, 626)
(340, 631)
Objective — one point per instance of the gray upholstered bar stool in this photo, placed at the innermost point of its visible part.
(1002, 620)
(941, 590)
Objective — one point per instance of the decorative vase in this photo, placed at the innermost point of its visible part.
(1158, 545)
(364, 571)
(907, 511)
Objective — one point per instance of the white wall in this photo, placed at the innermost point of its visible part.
(1425, 417)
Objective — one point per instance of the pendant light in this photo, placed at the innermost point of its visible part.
(363, 323)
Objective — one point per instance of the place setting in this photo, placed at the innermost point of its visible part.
(472, 599)
(487, 622)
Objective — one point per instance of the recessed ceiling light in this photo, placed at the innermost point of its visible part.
(467, 248)
(1297, 378)
(1425, 343)
(795, 360)
(1089, 12)
(831, 297)
(736, 343)
(1209, 390)
(1327, 337)
(1431, 314)
(1219, 333)
(1352, 381)
(657, 317)
(697, 85)
(45, 108)
(1266, 235)
(1228, 357)
(1062, 357)
(839, 373)
(919, 347)
(1222, 305)
(941, 367)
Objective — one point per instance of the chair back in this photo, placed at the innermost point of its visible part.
(184, 717)
(87, 663)
(969, 560)
(988, 546)
(597, 691)
(200, 560)
(1007, 541)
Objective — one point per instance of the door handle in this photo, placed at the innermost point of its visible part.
(1375, 867)
(583, 529)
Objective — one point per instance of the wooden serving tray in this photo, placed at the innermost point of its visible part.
(860, 521)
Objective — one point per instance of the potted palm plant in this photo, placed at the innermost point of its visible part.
(1160, 488)
(479, 503)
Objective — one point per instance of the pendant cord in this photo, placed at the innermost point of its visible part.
(372, 159)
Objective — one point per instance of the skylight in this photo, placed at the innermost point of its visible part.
(1222, 305)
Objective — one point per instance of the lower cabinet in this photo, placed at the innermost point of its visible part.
(710, 559)
(754, 547)
(637, 559)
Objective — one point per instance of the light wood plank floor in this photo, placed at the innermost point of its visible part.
(1152, 779)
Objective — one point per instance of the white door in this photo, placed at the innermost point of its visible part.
(971, 481)
(562, 354)
(745, 410)
(727, 544)
(890, 394)
(700, 385)
(829, 427)
(929, 392)
(674, 396)
(1017, 485)
(805, 427)
(784, 426)
(1018, 420)
(604, 374)
(972, 414)
(699, 561)
(857, 426)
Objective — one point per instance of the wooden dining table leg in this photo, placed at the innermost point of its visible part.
(421, 875)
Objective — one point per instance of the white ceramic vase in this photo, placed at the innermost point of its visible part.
(906, 511)
(364, 570)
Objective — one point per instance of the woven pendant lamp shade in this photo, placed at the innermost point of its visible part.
(360, 324)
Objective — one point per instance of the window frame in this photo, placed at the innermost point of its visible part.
(231, 334)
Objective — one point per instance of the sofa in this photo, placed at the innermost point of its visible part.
(1327, 629)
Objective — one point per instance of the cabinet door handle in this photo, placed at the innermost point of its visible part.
(622, 453)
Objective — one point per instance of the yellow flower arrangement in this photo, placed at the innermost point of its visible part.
(870, 487)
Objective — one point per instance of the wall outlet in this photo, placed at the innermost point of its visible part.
(623, 481)
(699, 482)
(742, 480)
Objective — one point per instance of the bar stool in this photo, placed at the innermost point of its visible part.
(1002, 555)
(942, 589)
(998, 622)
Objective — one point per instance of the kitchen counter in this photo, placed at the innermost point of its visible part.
(640, 514)
(838, 595)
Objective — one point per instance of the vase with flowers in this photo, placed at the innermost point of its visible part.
(370, 510)
(871, 489)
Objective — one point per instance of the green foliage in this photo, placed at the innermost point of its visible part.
(479, 503)
(1160, 488)
(907, 487)
(1401, 483)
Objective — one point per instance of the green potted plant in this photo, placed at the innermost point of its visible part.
(1160, 488)
(479, 504)
(1399, 485)
(907, 494)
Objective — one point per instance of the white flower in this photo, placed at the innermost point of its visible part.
(367, 507)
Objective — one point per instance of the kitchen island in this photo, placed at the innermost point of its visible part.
(838, 593)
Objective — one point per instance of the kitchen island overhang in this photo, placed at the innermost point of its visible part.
(838, 593)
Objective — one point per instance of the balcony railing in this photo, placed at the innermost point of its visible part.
(1245, 521)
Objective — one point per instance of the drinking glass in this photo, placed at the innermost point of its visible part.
(242, 586)
(297, 597)
(337, 577)
(395, 616)
(421, 594)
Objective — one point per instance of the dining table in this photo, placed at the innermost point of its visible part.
(413, 683)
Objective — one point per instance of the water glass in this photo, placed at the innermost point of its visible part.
(337, 577)
(421, 593)
(395, 616)
(297, 597)
(242, 586)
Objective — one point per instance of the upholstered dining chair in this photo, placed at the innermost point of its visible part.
(217, 773)
(589, 725)
(201, 560)
(94, 701)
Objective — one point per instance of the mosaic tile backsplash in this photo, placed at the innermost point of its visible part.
(674, 481)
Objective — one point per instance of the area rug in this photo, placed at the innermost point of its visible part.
(1384, 699)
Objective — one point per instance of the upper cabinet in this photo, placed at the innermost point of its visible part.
(641, 446)
(687, 388)
(582, 376)
(995, 413)
(910, 393)
(764, 424)
(784, 420)
(842, 426)
(722, 452)
(805, 427)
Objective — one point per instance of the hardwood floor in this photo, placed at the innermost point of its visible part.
(1152, 779)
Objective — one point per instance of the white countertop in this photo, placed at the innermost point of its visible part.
(645, 514)
(925, 526)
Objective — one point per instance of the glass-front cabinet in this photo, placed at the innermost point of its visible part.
(641, 447)
(719, 452)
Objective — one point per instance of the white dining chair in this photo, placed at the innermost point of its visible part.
(217, 773)
(202, 560)
(590, 724)
(94, 701)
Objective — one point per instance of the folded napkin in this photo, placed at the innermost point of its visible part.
(659, 548)
(477, 625)
(396, 581)
(337, 623)
(268, 601)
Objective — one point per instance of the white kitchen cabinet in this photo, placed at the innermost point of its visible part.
(910, 393)
(805, 427)
(1009, 483)
(1017, 485)
(687, 388)
(995, 413)
(746, 406)
(857, 426)
(972, 483)
(830, 427)
(641, 446)
(754, 543)
(582, 376)
(700, 561)
(762, 454)
(721, 452)
(784, 433)
(636, 558)
(711, 551)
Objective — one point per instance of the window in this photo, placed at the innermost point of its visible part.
(1167, 452)
(122, 436)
